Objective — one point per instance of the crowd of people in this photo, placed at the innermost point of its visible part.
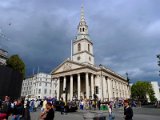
(19, 109)
(14, 108)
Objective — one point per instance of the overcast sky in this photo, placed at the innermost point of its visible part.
(125, 33)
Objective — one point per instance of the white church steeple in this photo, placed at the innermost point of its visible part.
(82, 27)
(82, 45)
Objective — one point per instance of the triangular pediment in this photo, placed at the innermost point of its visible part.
(67, 66)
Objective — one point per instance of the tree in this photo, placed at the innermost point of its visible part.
(16, 63)
(141, 89)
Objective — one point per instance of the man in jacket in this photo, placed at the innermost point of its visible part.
(128, 112)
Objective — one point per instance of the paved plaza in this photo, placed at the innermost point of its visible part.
(139, 114)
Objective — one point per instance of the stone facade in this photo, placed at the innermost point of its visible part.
(83, 81)
(80, 78)
(3, 57)
(156, 89)
(37, 86)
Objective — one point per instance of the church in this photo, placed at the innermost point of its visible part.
(79, 77)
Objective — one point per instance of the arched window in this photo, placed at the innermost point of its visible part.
(88, 47)
(79, 46)
(83, 29)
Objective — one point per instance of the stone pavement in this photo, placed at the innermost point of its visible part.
(139, 114)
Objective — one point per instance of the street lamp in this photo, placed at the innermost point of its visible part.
(158, 56)
(101, 79)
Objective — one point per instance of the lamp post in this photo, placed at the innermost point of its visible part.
(101, 79)
(158, 56)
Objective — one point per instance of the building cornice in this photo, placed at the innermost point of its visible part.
(83, 39)
(85, 51)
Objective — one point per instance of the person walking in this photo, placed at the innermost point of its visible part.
(110, 111)
(128, 112)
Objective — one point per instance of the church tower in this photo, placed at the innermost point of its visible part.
(82, 45)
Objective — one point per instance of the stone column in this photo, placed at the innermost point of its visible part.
(101, 87)
(110, 89)
(58, 88)
(64, 83)
(79, 86)
(104, 87)
(71, 87)
(107, 90)
(92, 85)
(64, 86)
(87, 86)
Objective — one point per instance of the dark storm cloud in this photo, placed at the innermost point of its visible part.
(125, 33)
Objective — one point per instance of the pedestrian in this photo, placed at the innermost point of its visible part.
(99, 104)
(5, 108)
(44, 105)
(110, 111)
(65, 108)
(35, 105)
(128, 112)
(32, 105)
(62, 107)
(17, 112)
(26, 113)
(81, 105)
(48, 113)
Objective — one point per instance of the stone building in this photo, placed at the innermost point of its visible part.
(3, 57)
(37, 86)
(79, 77)
(156, 89)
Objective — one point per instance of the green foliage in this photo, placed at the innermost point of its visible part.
(16, 63)
(140, 89)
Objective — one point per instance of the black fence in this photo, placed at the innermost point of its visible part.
(10, 82)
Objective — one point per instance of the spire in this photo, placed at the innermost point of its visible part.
(82, 28)
(82, 14)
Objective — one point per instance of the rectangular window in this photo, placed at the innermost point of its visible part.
(40, 84)
(45, 91)
(96, 89)
(39, 91)
(46, 84)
